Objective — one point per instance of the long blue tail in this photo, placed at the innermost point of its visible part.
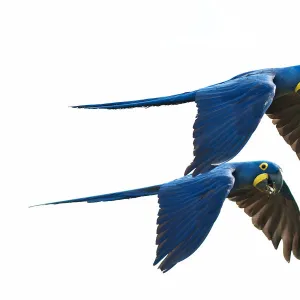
(146, 191)
(169, 100)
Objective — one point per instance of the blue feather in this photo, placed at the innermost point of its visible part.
(142, 192)
(188, 209)
(228, 114)
(168, 100)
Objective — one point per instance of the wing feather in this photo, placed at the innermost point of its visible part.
(276, 215)
(228, 114)
(188, 209)
(285, 114)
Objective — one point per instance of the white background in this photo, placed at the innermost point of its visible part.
(59, 53)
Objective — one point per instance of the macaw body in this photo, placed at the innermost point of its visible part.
(229, 112)
(189, 206)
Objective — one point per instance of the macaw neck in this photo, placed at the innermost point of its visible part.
(242, 175)
(240, 183)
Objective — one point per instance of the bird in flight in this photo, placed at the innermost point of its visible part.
(229, 112)
(189, 206)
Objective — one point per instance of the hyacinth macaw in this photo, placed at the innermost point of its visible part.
(230, 111)
(189, 206)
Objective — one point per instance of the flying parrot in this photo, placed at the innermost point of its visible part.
(189, 206)
(230, 111)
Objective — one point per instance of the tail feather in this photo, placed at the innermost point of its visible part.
(146, 191)
(169, 100)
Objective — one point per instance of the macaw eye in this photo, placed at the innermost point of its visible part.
(263, 166)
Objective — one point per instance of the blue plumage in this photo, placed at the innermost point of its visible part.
(189, 206)
(229, 112)
(146, 191)
(168, 100)
(224, 124)
(188, 209)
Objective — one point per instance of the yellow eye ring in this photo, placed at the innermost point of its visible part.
(263, 166)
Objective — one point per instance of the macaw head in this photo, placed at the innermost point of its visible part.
(263, 175)
(287, 80)
(269, 180)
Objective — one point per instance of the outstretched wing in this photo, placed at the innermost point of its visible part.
(276, 215)
(228, 114)
(189, 207)
(285, 112)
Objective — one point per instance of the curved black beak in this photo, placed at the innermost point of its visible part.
(269, 183)
(275, 181)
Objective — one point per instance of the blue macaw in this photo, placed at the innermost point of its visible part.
(230, 111)
(189, 206)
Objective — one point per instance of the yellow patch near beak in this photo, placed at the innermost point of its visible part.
(260, 178)
(297, 89)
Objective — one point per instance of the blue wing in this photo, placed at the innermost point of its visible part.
(189, 207)
(228, 114)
